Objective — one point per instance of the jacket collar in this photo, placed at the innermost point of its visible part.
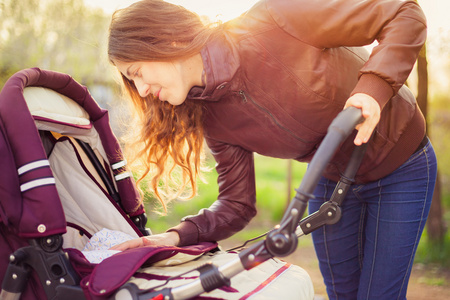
(220, 62)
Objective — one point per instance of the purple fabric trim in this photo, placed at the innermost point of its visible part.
(148, 276)
(89, 126)
(79, 228)
(114, 271)
(79, 262)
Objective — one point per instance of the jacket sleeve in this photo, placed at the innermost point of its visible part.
(235, 205)
(399, 27)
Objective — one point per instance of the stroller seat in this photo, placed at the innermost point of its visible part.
(84, 198)
(64, 180)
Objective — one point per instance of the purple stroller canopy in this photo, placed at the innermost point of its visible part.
(29, 199)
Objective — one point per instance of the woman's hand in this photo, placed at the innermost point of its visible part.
(370, 111)
(170, 238)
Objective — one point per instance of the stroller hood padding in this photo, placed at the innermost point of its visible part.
(45, 104)
(29, 199)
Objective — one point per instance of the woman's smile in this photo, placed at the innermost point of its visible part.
(157, 93)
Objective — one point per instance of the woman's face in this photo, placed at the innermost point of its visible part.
(164, 80)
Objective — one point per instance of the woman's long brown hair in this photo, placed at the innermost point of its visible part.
(169, 138)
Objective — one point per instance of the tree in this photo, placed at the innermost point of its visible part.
(60, 35)
(435, 223)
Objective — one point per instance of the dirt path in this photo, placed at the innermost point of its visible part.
(425, 283)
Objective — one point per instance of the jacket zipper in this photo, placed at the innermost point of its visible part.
(245, 100)
(242, 94)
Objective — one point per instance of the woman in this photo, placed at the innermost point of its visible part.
(270, 82)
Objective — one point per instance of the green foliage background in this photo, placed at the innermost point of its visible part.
(272, 194)
(60, 35)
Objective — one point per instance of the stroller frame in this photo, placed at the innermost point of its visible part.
(60, 281)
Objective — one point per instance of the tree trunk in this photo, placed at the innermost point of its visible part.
(435, 224)
(289, 182)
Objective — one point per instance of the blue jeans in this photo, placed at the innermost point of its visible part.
(369, 253)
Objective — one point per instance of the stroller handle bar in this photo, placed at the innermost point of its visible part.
(282, 240)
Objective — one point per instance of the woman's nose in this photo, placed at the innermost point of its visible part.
(142, 88)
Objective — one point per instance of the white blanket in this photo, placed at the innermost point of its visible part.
(97, 248)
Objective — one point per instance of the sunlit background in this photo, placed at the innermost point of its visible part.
(436, 10)
(224, 10)
(214, 9)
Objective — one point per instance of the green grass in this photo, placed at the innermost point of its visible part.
(433, 253)
(272, 196)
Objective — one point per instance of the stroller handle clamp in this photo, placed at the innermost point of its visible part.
(282, 240)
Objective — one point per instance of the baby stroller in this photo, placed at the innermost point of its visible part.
(65, 180)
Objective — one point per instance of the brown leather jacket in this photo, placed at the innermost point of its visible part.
(277, 77)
